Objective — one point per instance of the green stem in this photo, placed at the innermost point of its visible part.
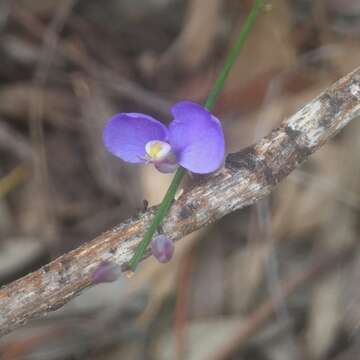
(160, 214)
(233, 54)
(209, 104)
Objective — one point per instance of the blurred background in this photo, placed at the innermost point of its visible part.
(274, 281)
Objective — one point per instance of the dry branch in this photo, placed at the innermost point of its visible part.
(247, 176)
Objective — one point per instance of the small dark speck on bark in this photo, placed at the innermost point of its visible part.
(291, 133)
(245, 158)
(66, 262)
(186, 212)
(335, 104)
(269, 176)
(303, 153)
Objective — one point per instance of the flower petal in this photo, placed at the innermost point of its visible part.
(126, 134)
(196, 137)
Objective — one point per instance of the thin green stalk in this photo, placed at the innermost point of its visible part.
(233, 55)
(209, 104)
(160, 214)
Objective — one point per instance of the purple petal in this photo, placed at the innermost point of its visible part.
(196, 137)
(126, 134)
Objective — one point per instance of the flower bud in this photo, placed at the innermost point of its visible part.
(162, 248)
(106, 271)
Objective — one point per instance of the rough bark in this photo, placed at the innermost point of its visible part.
(247, 176)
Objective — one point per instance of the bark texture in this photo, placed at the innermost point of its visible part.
(247, 176)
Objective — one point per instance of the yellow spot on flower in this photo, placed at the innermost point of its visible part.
(155, 149)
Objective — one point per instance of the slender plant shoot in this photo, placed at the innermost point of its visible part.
(157, 148)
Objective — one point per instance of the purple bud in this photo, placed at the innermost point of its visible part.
(106, 271)
(162, 248)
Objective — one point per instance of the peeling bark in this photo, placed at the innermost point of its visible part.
(247, 176)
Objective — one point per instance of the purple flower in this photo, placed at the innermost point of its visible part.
(162, 248)
(194, 139)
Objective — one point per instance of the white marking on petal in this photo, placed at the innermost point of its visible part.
(157, 150)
